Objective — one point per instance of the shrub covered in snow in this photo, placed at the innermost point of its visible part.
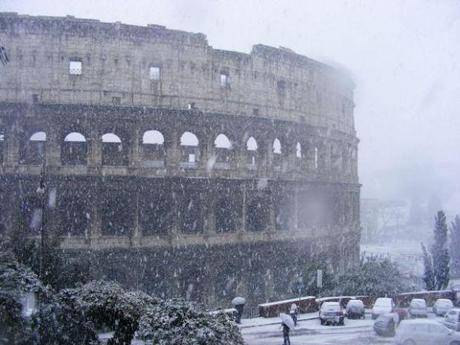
(182, 323)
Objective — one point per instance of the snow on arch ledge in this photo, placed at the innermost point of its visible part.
(189, 139)
(251, 144)
(38, 136)
(111, 138)
(75, 137)
(153, 137)
(222, 142)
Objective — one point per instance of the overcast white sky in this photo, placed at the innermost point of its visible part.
(404, 57)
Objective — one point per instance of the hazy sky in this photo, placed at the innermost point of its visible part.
(403, 55)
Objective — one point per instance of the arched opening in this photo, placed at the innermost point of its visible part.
(298, 151)
(277, 157)
(74, 149)
(190, 151)
(223, 149)
(113, 150)
(257, 215)
(74, 213)
(153, 151)
(251, 148)
(2, 146)
(34, 149)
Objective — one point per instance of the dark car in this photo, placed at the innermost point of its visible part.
(355, 309)
(385, 325)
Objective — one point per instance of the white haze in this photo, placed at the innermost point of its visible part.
(403, 55)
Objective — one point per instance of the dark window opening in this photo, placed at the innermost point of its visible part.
(117, 213)
(113, 151)
(258, 214)
(74, 149)
(156, 213)
(74, 214)
(228, 210)
(191, 211)
(34, 149)
(153, 151)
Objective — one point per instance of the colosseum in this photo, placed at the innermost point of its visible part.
(174, 167)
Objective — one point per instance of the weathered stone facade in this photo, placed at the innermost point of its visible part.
(181, 169)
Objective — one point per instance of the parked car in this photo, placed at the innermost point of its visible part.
(385, 325)
(331, 313)
(355, 309)
(452, 319)
(417, 308)
(382, 305)
(442, 306)
(425, 331)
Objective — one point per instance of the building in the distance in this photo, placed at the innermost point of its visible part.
(175, 167)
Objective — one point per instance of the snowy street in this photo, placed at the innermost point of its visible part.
(354, 332)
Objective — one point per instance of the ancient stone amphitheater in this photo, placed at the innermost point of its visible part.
(174, 167)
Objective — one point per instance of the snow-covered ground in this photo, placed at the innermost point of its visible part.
(309, 331)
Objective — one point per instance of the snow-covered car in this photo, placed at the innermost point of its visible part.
(442, 306)
(385, 325)
(355, 309)
(331, 313)
(382, 305)
(452, 319)
(417, 308)
(425, 331)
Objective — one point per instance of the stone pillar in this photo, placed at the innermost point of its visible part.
(12, 144)
(244, 209)
(95, 148)
(96, 219)
(136, 233)
(296, 210)
(172, 149)
(53, 147)
(210, 226)
(134, 154)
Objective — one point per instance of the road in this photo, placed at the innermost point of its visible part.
(355, 332)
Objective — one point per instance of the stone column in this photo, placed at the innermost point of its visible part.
(244, 209)
(134, 154)
(136, 233)
(172, 149)
(53, 147)
(12, 145)
(95, 148)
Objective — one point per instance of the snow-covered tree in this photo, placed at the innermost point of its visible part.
(455, 245)
(428, 275)
(440, 252)
(183, 323)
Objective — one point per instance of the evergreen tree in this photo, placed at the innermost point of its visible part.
(428, 276)
(455, 246)
(440, 252)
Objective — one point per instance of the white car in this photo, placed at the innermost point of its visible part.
(425, 332)
(442, 306)
(452, 319)
(381, 306)
(417, 308)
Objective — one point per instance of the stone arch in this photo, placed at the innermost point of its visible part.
(34, 148)
(153, 149)
(113, 151)
(251, 152)
(74, 149)
(298, 150)
(190, 150)
(277, 151)
(223, 151)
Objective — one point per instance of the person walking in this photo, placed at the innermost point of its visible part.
(293, 312)
(286, 334)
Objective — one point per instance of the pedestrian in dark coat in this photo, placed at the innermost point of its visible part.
(286, 334)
